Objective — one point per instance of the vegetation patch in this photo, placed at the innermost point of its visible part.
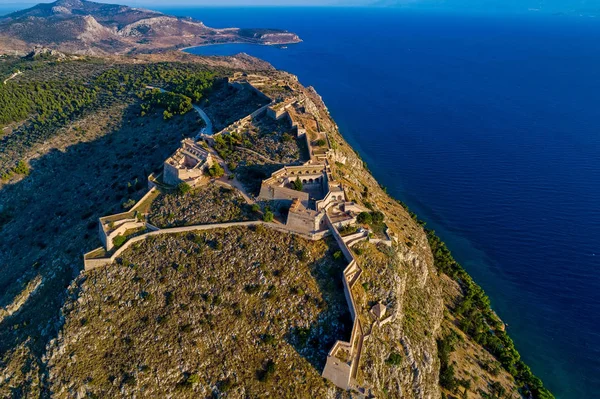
(476, 318)
(206, 204)
(174, 317)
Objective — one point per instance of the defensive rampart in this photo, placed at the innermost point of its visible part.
(343, 358)
(92, 262)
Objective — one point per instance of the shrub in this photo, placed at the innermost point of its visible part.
(225, 385)
(192, 380)
(338, 255)
(119, 240)
(297, 184)
(183, 188)
(303, 255)
(128, 379)
(268, 339)
(255, 208)
(320, 142)
(21, 168)
(267, 371)
(128, 204)
(377, 217)
(364, 218)
(394, 359)
(216, 170)
(268, 216)
(252, 288)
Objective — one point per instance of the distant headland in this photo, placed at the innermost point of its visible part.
(86, 27)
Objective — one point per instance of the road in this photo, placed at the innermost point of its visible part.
(208, 129)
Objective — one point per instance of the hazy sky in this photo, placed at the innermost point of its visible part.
(584, 7)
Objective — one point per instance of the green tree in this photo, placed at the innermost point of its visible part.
(119, 240)
(268, 216)
(297, 184)
(364, 218)
(183, 188)
(216, 170)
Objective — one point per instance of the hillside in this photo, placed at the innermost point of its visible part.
(217, 311)
(204, 314)
(86, 27)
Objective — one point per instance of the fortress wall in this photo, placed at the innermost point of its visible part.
(301, 222)
(248, 85)
(330, 198)
(317, 169)
(353, 207)
(351, 237)
(191, 174)
(276, 114)
(173, 176)
(90, 264)
(336, 371)
(102, 233)
(268, 192)
(338, 238)
(120, 230)
(170, 174)
(107, 238)
(380, 240)
(240, 122)
(259, 111)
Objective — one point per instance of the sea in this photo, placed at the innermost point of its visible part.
(488, 127)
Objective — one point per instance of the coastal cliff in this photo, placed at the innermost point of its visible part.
(230, 311)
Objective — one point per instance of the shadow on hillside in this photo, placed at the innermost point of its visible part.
(51, 215)
(252, 176)
(334, 321)
(226, 104)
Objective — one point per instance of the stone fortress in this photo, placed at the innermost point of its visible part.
(188, 164)
(318, 207)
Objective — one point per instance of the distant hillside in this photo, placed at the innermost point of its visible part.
(80, 26)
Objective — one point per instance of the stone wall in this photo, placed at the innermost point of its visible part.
(306, 220)
(272, 192)
(119, 219)
(91, 263)
(342, 373)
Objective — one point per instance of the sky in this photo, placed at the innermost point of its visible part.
(573, 7)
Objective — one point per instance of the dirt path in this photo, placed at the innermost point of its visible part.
(14, 75)
(208, 129)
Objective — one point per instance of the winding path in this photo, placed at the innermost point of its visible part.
(14, 75)
(208, 129)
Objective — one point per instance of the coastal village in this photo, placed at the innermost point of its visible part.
(317, 205)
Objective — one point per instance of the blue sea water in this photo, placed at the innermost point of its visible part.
(488, 128)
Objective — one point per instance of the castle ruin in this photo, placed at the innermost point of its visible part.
(318, 207)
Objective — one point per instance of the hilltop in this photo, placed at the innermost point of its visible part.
(252, 259)
(86, 27)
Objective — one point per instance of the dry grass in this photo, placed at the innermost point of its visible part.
(219, 305)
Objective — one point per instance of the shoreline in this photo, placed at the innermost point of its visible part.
(238, 42)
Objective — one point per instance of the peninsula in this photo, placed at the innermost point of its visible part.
(86, 27)
(186, 226)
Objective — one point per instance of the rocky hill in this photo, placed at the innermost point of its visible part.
(205, 315)
(81, 26)
(237, 312)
